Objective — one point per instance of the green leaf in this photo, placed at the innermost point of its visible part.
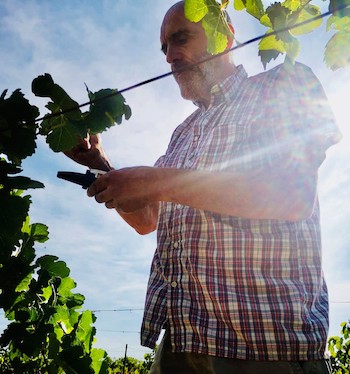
(62, 138)
(13, 212)
(22, 183)
(85, 332)
(213, 21)
(278, 16)
(65, 296)
(292, 49)
(239, 4)
(52, 266)
(292, 4)
(24, 283)
(337, 51)
(46, 293)
(18, 128)
(255, 8)
(108, 107)
(340, 8)
(217, 42)
(99, 360)
(307, 13)
(39, 232)
(7, 168)
(270, 48)
(44, 86)
(265, 20)
(195, 10)
(338, 23)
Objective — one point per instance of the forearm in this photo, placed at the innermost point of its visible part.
(256, 195)
(144, 220)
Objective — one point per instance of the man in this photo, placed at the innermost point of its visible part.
(236, 279)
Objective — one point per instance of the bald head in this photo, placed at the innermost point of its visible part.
(185, 45)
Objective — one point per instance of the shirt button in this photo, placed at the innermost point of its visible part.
(173, 284)
(176, 245)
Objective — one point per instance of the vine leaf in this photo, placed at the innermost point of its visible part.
(213, 21)
(305, 14)
(66, 123)
(255, 8)
(52, 266)
(17, 126)
(270, 48)
(340, 8)
(84, 331)
(44, 86)
(37, 232)
(195, 10)
(107, 108)
(337, 51)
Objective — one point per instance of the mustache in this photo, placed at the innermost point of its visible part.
(178, 67)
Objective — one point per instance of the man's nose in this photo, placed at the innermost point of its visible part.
(172, 54)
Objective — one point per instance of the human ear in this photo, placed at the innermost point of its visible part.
(231, 37)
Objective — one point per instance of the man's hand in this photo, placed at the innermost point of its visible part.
(89, 152)
(127, 190)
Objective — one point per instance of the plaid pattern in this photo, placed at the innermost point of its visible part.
(244, 288)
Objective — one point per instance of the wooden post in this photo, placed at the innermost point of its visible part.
(124, 363)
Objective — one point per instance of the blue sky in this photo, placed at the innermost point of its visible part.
(115, 44)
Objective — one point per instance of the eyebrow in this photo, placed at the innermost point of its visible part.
(176, 35)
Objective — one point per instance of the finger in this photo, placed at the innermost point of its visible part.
(110, 204)
(96, 187)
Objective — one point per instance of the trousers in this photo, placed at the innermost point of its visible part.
(168, 362)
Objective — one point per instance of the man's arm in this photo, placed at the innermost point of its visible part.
(264, 194)
(89, 152)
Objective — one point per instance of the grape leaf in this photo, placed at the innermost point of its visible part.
(21, 183)
(340, 8)
(270, 48)
(278, 16)
(213, 21)
(44, 86)
(305, 14)
(339, 23)
(239, 4)
(255, 8)
(66, 123)
(63, 137)
(52, 266)
(292, 4)
(17, 126)
(85, 332)
(37, 232)
(195, 10)
(337, 51)
(106, 109)
(13, 212)
(99, 362)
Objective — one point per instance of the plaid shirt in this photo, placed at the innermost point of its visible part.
(235, 287)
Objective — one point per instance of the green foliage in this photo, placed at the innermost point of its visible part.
(281, 20)
(213, 21)
(130, 365)
(67, 122)
(17, 127)
(48, 332)
(339, 349)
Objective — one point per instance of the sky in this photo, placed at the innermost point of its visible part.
(115, 44)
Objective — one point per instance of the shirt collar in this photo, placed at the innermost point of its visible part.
(227, 89)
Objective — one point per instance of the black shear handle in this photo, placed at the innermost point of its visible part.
(84, 180)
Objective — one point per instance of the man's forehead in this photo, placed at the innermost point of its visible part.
(176, 23)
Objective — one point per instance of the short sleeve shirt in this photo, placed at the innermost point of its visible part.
(235, 287)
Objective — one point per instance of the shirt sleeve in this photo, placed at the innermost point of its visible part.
(298, 125)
